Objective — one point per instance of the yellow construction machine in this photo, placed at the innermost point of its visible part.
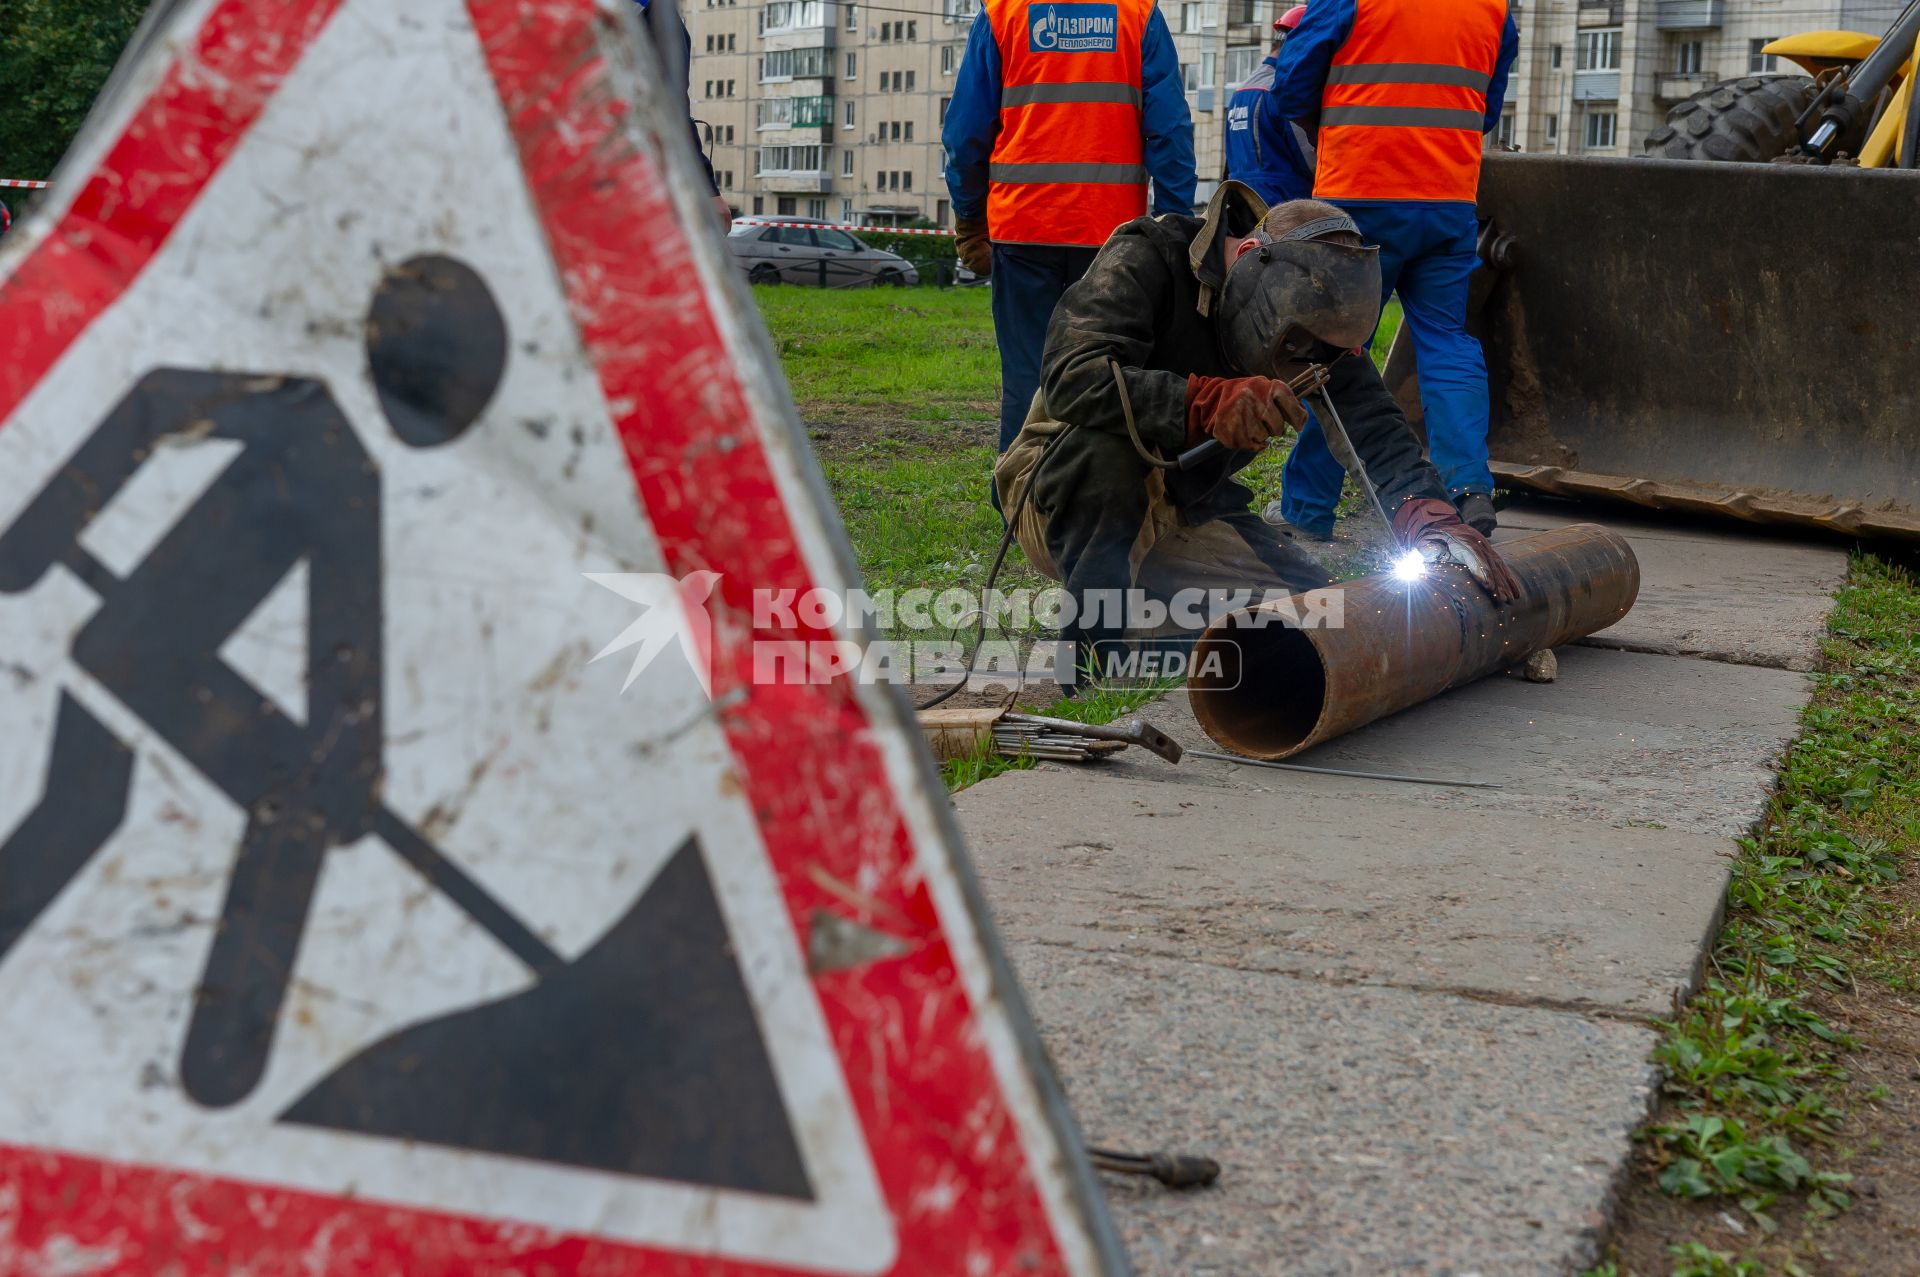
(1734, 338)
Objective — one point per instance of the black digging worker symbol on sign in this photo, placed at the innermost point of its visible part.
(642, 1055)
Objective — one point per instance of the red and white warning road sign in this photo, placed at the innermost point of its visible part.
(367, 372)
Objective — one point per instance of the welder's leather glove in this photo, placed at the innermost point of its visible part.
(971, 242)
(1436, 529)
(1241, 412)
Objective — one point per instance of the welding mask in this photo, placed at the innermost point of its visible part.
(1298, 299)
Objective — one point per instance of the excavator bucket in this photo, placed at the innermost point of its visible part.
(1734, 339)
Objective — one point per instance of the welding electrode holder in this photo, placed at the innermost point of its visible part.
(1313, 379)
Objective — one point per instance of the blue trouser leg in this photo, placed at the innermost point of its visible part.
(1310, 481)
(1453, 369)
(1027, 282)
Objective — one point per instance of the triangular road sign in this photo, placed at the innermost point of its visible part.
(364, 367)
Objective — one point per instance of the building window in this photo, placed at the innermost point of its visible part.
(729, 135)
(1600, 130)
(817, 208)
(731, 46)
(788, 15)
(789, 64)
(939, 212)
(1553, 57)
(886, 32)
(896, 130)
(853, 17)
(1598, 51)
(849, 73)
(709, 92)
(759, 206)
(848, 122)
(913, 30)
(944, 104)
(1241, 64)
(769, 113)
(948, 57)
(906, 180)
(1553, 129)
(1757, 61)
(729, 88)
(709, 44)
(1210, 14)
(846, 210)
(1691, 57)
(785, 205)
(1189, 19)
(909, 81)
(960, 10)
(909, 130)
(791, 159)
(1503, 132)
(1190, 77)
(846, 162)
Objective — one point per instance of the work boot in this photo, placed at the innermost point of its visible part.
(1315, 532)
(1477, 512)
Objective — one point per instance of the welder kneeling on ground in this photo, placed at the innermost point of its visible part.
(1191, 327)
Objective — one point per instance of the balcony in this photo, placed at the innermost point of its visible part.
(1602, 13)
(1690, 15)
(1674, 86)
(796, 182)
(814, 111)
(1596, 86)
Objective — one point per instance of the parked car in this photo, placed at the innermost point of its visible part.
(799, 250)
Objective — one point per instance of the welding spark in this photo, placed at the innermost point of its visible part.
(1409, 567)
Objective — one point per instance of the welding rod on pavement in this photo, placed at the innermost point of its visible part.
(1175, 1170)
(1219, 757)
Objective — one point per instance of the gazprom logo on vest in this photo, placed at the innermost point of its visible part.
(1074, 28)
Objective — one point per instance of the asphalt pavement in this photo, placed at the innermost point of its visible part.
(1411, 1022)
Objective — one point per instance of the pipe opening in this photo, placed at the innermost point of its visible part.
(1268, 690)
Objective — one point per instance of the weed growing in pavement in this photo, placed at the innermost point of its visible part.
(1749, 1063)
(1696, 1260)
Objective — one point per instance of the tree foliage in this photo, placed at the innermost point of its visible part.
(54, 57)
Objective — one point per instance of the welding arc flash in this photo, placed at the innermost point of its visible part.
(1409, 567)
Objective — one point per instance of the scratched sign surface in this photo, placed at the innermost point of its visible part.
(371, 369)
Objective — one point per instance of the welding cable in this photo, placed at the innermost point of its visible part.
(1000, 558)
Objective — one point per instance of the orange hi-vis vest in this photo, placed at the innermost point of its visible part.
(1069, 163)
(1405, 104)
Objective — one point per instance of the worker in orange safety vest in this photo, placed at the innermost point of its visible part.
(1062, 114)
(1402, 93)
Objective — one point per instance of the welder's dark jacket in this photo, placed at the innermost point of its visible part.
(1140, 304)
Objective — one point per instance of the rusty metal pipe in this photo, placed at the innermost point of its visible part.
(1276, 690)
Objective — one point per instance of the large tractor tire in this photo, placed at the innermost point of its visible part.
(1745, 121)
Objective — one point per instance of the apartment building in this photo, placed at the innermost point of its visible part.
(1594, 77)
(824, 108)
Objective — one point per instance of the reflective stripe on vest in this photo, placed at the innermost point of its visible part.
(1068, 163)
(1406, 101)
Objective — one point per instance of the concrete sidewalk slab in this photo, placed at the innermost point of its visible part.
(1621, 738)
(1726, 595)
(1361, 1131)
(1352, 888)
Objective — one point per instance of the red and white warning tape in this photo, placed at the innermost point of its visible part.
(842, 226)
(31, 186)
